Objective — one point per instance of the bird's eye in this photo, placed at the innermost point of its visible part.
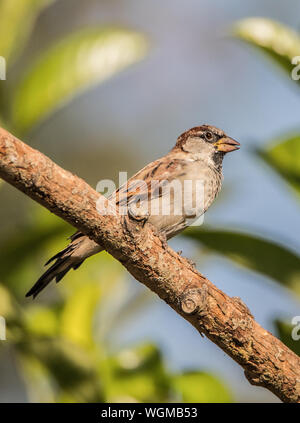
(209, 136)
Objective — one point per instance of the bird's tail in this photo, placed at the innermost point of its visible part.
(71, 257)
(64, 262)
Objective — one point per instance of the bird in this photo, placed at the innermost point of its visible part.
(197, 156)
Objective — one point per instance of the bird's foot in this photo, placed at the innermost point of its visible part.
(163, 240)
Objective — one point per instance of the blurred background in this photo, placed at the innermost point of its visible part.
(106, 86)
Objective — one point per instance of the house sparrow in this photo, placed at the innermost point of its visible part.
(197, 156)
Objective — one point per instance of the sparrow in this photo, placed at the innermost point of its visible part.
(196, 157)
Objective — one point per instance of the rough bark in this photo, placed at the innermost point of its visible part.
(225, 320)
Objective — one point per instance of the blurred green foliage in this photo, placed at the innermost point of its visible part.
(258, 254)
(284, 157)
(64, 70)
(276, 40)
(75, 63)
(61, 343)
(209, 388)
(17, 21)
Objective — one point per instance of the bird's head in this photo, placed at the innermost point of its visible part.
(206, 142)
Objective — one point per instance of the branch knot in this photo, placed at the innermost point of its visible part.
(194, 300)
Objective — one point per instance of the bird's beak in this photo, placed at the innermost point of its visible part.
(227, 144)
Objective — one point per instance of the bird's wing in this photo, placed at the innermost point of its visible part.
(140, 187)
(142, 184)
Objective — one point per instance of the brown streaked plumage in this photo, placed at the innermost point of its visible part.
(197, 155)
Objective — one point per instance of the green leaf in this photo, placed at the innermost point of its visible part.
(78, 314)
(194, 386)
(82, 59)
(17, 253)
(96, 288)
(17, 18)
(260, 255)
(72, 368)
(41, 321)
(25, 245)
(284, 330)
(137, 374)
(276, 40)
(284, 157)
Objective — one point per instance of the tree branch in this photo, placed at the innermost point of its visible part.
(224, 320)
